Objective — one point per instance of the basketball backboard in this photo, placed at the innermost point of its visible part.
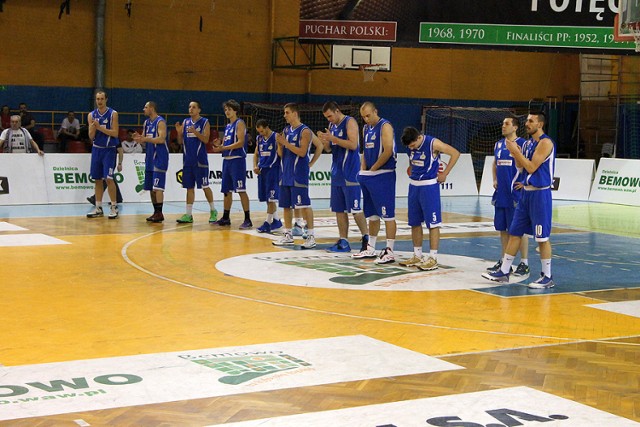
(350, 57)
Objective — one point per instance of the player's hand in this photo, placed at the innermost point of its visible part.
(280, 139)
(256, 170)
(216, 142)
(442, 177)
(119, 167)
(518, 186)
(192, 129)
(495, 184)
(137, 138)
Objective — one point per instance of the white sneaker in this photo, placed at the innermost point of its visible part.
(114, 212)
(285, 240)
(310, 243)
(370, 252)
(386, 257)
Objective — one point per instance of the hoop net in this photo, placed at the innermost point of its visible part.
(634, 28)
(369, 70)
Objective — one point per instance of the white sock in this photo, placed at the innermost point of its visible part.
(189, 209)
(546, 267)
(525, 261)
(275, 216)
(212, 206)
(433, 253)
(507, 261)
(269, 218)
(372, 241)
(299, 222)
(391, 243)
(417, 250)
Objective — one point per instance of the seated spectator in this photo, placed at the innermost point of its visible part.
(17, 139)
(69, 131)
(29, 123)
(129, 145)
(5, 116)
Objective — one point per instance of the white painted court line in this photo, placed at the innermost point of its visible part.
(630, 308)
(516, 406)
(5, 226)
(87, 385)
(35, 239)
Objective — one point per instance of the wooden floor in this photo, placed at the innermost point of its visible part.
(126, 287)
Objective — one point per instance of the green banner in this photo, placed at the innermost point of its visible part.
(521, 35)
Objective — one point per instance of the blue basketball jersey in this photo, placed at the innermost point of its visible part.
(424, 164)
(346, 163)
(268, 151)
(157, 155)
(506, 174)
(230, 138)
(295, 169)
(543, 176)
(373, 145)
(194, 151)
(102, 139)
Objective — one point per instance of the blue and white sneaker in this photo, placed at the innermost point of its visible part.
(341, 245)
(264, 228)
(296, 231)
(497, 276)
(276, 224)
(543, 282)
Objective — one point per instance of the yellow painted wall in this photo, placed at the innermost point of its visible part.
(161, 47)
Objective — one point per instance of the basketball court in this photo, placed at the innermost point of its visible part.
(101, 310)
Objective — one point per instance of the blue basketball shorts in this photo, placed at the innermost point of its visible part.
(503, 217)
(379, 195)
(424, 205)
(268, 184)
(195, 176)
(533, 215)
(103, 161)
(155, 180)
(346, 198)
(294, 197)
(234, 175)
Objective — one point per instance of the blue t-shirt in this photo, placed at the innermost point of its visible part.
(424, 164)
(102, 139)
(346, 163)
(195, 151)
(157, 155)
(543, 176)
(373, 146)
(230, 132)
(295, 169)
(506, 174)
(268, 151)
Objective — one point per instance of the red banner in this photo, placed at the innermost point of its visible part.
(377, 31)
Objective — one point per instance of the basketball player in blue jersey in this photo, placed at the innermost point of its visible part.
(103, 132)
(424, 193)
(266, 166)
(377, 178)
(234, 164)
(156, 158)
(194, 134)
(537, 161)
(293, 148)
(506, 196)
(342, 140)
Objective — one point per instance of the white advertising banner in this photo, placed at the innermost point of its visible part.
(572, 180)
(617, 181)
(22, 179)
(87, 385)
(64, 178)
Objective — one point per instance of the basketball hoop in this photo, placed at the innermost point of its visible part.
(634, 28)
(369, 70)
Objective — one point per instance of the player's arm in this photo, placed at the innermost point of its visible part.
(543, 150)
(351, 143)
(387, 147)
(300, 151)
(115, 127)
(92, 126)
(256, 156)
(279, 145)
(120, 151)
(162, 134)
(203, 136)
(442, 147)
(179, 129)
(319, 148)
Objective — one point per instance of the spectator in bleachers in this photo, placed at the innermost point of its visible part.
(29, 123)
(129, 145)
(17, 139)
(5, 117)
(69, 131)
